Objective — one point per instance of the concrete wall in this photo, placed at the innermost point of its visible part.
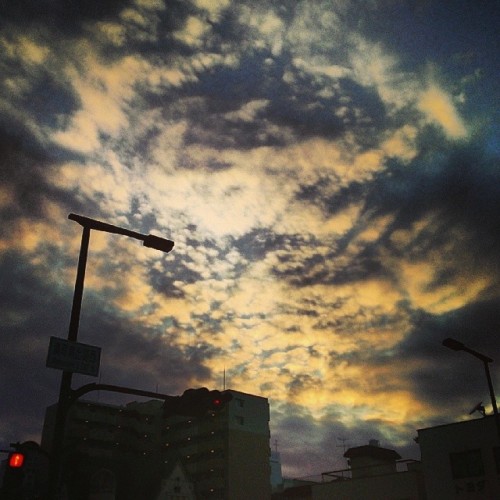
(401, 485)
(436, 445)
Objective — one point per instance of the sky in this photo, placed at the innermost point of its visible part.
(328, 171)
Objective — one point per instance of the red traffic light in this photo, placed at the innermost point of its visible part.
(219, 400)
(16, 460)
(197, 402)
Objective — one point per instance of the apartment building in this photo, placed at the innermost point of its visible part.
(226, 454)
(223, 455)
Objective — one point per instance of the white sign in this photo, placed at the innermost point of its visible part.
(73, 357)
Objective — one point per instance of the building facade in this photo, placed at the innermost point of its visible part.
(224, 455)
(462, 460)
(120, 443)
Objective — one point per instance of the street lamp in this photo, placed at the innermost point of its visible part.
(148, 240)
(455, 345)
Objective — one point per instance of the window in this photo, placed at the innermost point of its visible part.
(240, 402)
(466, 464)
(240, 420)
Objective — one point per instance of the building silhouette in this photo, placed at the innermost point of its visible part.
(461, 460)
(121, 440)
(223, 455)
(374, 473)
(227, 455)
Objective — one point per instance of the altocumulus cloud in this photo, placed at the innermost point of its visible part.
(328, 171)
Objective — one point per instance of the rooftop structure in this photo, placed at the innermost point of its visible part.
(375, 472)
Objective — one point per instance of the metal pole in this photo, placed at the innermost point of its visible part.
(65, 388)
(455, 345)
(490, 386)
(78, 294)
(486, 361)
(493, 399)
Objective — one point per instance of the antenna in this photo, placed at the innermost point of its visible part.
(480, 408)
(343, 445)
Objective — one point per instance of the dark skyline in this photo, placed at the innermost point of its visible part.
(328, 171)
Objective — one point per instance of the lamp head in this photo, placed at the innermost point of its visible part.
(158, 243)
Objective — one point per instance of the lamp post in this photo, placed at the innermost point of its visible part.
(148, 240)
(455, 345)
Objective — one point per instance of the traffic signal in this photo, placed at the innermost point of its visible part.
(26, 471)
(197, 402)
(218, 400)
(14, 473)
(16, 460)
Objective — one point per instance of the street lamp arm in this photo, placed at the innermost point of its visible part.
(482, 357)
(104, 226)
(148, 240)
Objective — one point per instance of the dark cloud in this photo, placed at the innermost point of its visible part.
(304, 272)
(432, 31)
(328, 193)
(24, 167)
(295, 106)
(155, 41)
(163, 282)
(31, 313)
(460, 184)
(66, 16)
(49, 100)
(449, 380)
(324, 269)
(256, 244)
(22, 162)
(363, 269)
(298, 107)
(225, 90)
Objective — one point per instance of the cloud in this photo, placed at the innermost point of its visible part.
(69, 17)
(334, 208)
(104, 99)
(438, 107)
(193, 32)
